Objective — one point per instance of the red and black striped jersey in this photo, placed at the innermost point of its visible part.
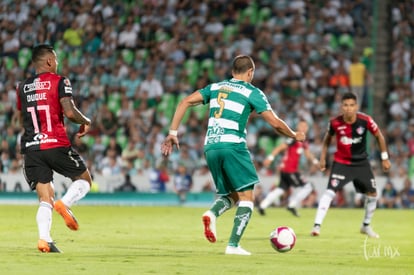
(351, 139)
(291, 158)
(38, 99)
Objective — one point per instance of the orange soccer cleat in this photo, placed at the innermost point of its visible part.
(67, 215)
(47, 247)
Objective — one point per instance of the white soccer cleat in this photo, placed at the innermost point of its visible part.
(209, 222)
(316, 231)
(231, 250)
(368, 231)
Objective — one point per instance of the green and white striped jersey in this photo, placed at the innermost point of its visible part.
(231, 103)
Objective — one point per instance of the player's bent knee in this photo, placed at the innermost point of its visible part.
(330, 193)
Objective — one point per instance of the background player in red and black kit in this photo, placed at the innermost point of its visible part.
(289, 172)
(351, 160)
(42, 102)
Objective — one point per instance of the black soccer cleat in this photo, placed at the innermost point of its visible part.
(261, 211)
(293, 211)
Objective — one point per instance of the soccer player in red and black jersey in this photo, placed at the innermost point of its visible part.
(289, 172)
(351, 160)
(42, 102)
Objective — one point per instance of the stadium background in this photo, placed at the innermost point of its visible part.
(130, 62)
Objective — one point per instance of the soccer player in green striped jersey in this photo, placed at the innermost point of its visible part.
(231, 103)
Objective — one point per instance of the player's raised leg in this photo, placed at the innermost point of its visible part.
(220, 205)
(77, 190)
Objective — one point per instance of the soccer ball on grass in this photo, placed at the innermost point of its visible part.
(283, 239)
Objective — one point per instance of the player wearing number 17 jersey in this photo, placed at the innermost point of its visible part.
(231, 103)
(351, 160)
(42, 102)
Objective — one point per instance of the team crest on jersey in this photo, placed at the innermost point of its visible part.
(360, 130)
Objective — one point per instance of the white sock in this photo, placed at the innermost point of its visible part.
(370, 206)
(44, 221)
(76, 191)
(271, 198)
(323, 206)
(300, 195)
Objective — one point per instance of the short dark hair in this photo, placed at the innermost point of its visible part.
(349, 95)
(242, 63)
(41, 50)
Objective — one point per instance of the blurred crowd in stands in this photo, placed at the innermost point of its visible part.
(130, 62)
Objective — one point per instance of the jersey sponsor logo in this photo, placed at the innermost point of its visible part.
(36, 85)
(214, 133)
(68, 90)
(212, 140)
(343, 127)
(40, 138)
(348, 141)
(215, 130)
(36, 97)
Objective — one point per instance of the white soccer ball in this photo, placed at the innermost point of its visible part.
(283, 239)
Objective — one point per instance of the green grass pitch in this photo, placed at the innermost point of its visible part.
(169, 240)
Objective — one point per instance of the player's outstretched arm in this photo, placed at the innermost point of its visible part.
(281, 126)
(192, 100)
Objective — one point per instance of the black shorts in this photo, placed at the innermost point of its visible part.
(360, 174)
(39, 165)
(288, 180)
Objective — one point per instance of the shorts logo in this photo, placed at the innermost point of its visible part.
(336, 176)
(334, 182)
